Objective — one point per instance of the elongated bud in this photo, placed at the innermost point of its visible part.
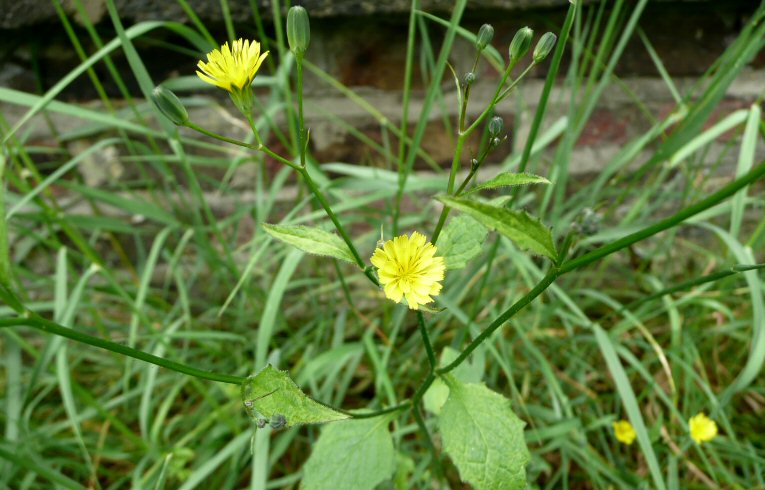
(521, 43)
(170, 105)
(544, 46)
(485, 33)
(298, 30)
(495, 126)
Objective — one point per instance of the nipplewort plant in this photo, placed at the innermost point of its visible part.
(457, 419)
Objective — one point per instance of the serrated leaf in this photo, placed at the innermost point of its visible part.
(352, 455)
(438, 392)
(312, 240)
(527, 232)
(508, 179)
(483, 437)
(460, 241)
(272, 392)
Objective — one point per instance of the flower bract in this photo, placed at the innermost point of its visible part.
(408, 269)
(703, 429)
(624, 432)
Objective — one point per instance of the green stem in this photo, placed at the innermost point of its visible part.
(509, 313)
(257, 147)
(426, 341)
(462, 137)
(463, 109)
(715, 198)
(343, 234)
(423, 388)
(506, 92)
(450, 186)
(303, 170)
(301, 125)
(603, 251)
(432, 447)
(369, 415)
(47, 326)
(736, 269)
(33, 320)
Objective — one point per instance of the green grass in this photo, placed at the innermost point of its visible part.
(672, 325)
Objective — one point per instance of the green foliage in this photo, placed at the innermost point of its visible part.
(461, 241)
(509, 179)
(271, 393)
(351, 455)
(311, 240)
(528, 233)
(483, 437)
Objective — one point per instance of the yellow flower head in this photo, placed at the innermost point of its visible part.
(624, 432)
(232, 69)
(703, 429)
(408, 268)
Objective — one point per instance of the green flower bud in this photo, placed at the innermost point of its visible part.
(544, 46)
(170, 105)
(469, 78)
(485, 33)
(495, 126)
(298, 30)
(521, 43)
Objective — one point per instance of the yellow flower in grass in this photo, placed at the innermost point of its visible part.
(703, 429)
(624, 432)
(233, 69)
(408, 268)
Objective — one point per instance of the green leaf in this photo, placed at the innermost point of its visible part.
(527, 232)
(272, 392)
(460, 241)
(352, 455)
(507, 179)
(483, 437)
(438, 392)
(311, 240)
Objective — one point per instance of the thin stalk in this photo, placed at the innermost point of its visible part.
(509, 313)
(47, 326)
(510, 87)
(257, 147)
(450, 186)
(424, 429)
(423, 388)
(501, 89)
(466, 97)
(30, 319)
(369, 415)
(302, 143)
(426, 341)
